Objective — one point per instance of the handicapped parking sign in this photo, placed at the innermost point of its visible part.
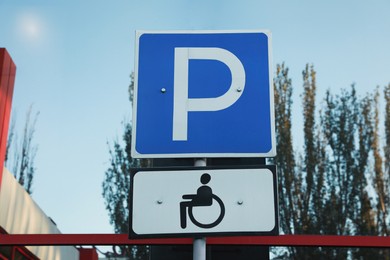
(203, 94)
(206, 201)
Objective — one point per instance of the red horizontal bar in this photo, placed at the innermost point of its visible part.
(122, 239)
(84, 239)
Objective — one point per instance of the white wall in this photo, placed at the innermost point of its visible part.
(19, 214)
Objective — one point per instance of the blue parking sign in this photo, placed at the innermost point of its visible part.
(203, 94)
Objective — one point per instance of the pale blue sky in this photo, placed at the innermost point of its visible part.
(74, 59)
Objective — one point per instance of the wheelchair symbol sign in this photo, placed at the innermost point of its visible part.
(203, 201)
(203, 198)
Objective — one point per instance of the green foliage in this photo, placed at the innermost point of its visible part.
(386, 93)
(116, 192)
(116, 186)
(381, 182)
(285, 160)
(339, 185)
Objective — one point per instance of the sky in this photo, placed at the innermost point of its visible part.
(74, 60)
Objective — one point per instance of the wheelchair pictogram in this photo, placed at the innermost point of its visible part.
(204, 197)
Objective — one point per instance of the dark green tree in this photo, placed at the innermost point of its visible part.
(328, 188)
(387, 144)
(387, 130)
(310, 149)
(116, 187)
(284, 160)
(340, 129)
(116, 191)
(381, 182)
(364, 220)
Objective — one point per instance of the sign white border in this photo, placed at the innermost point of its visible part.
(136, 154)
(145, 206)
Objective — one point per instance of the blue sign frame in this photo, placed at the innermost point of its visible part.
(229, 68)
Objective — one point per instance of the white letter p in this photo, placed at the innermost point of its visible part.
(182, 104)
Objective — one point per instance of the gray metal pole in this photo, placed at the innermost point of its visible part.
(199, 245)
(199, 249)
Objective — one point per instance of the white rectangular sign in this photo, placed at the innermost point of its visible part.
(207, 201)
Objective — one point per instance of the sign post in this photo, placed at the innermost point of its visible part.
(203, 94)
(199, 251)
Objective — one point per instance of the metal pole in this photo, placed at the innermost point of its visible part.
(199, 245)
(199, 249)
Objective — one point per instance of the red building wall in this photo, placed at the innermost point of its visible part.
(7, 80)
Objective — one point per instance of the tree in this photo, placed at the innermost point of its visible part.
(348, 128)
(365, 223)
(116, 191)
(339, 185)
(380, 180)
(310, 149)
(20, 156)
(116, 187)
(284, 160)
(387, 130)
(387, 146)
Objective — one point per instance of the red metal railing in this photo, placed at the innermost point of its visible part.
(122, 239)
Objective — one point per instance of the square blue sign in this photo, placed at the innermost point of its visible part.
(203, 94)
